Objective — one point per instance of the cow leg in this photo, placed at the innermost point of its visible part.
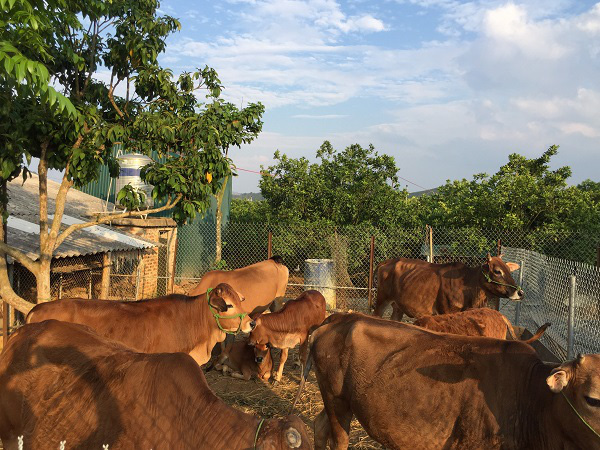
(340, 415)
(282, 360)
(303, 354)
(322, 431)
(397, 313)
(381, 305)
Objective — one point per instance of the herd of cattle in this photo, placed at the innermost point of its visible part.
(92, 373)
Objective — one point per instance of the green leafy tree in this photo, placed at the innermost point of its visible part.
(345, 188)
(73, 127)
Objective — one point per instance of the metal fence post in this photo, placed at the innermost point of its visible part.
(518, 307)
(571, 323)
(270, 245)
(371, 261)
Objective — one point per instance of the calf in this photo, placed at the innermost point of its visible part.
(175, 323)
(240, 361)
(288, 327)
(475, 322)
(409, 387)
(63, 382)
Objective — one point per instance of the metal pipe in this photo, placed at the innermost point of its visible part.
(571, 318)
(371, 261)
(518, 307)
(270, 245)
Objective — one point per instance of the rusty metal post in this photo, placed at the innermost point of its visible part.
(499, 247)
(371, 263)
(174, 264)
(5, 323)
(270, 245)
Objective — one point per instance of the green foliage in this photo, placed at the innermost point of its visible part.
(246, 211)
(131, 198)
(346, 188)
(67, 43)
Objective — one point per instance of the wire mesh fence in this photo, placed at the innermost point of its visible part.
(547, 284)
(349, 256)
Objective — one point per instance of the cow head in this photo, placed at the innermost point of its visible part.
(289, 432)
(497, 279)
(578, 406)
(259, 339)
(225, 306)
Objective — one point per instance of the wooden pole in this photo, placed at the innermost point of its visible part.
(270, 245)
(499, 247)
(598, 256)
(430, 244)
(371, 263)
(5, 322)
(105, 283)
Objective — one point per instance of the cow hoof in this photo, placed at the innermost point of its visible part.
(275, 382)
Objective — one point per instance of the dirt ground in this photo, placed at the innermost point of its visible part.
(268, 400)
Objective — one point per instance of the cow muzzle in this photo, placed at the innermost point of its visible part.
(517, 295)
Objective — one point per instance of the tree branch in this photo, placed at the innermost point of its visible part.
(19, 256)
(100, 220)
(43, 194)
(7, 293)
(112, 99)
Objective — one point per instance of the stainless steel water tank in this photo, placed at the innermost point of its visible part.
(129, 173)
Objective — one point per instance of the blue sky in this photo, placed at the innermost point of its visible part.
(449, 88)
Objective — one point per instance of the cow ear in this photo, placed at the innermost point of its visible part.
(557, 381)
(219, 304)
(489, 257)
(512, 266)
(242, 298)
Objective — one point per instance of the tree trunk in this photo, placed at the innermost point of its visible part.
(219, 220)
(6, 291)
(43, 281)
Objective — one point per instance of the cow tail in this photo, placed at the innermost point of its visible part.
(538, 334)
(305, 373)
(510, 328)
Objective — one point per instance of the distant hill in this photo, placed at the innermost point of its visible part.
(254, 196)
(425, 192)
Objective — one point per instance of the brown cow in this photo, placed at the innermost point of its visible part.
(417, 288)
(409, 387)
(62, 382)
(475, 322)
(259, 283)
(175, 323)
(288, 327)
(239, 361)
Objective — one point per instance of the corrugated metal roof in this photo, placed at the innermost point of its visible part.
(24, 235)
(23, 223)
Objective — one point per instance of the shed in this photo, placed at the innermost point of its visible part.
(89, 262)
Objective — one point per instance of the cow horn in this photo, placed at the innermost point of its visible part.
(580, 358)
(293, 438)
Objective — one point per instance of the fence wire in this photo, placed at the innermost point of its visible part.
(547, 258)
(547, 286)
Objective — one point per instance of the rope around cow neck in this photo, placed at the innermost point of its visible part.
(260, 424)
(489, 280)
(579, 415)
(218, 316)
